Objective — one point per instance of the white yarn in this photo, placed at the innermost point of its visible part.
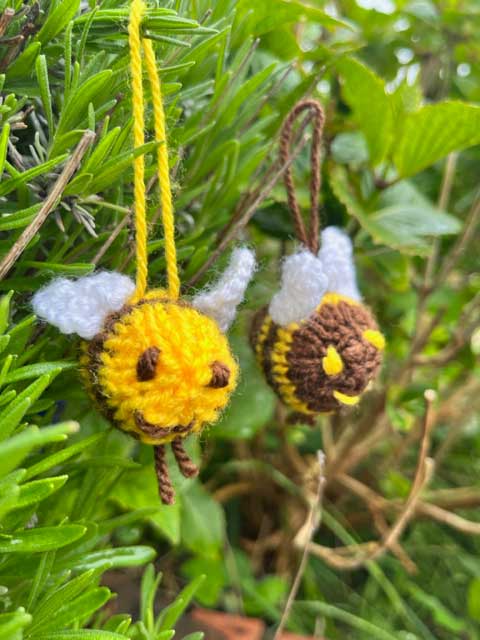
(220, 301)
(336, 254)
(81, 306)
(307, 278)
(303, 285)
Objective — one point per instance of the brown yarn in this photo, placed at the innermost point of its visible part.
(147, 363)
(186, 465)
(220, 375)
(310, 240)
(165, 487)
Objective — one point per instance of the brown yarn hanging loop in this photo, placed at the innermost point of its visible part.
(310, 239)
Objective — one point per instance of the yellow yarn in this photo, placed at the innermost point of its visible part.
(136, 43)
(375, 338)
(332, 362)
(179, 394)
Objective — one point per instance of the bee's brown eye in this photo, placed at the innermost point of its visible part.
(147, 363)
(220, 375)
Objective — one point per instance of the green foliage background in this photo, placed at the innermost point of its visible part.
(400, 82)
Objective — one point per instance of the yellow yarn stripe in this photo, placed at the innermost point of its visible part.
(163, 171)
(138, 9)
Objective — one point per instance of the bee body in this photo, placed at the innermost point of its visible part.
(159, 369)
(324, 361)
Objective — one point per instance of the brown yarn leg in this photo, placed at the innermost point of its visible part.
(165, 488)
(186, 465)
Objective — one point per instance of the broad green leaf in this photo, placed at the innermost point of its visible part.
(58, 19)
(203, 526)
(473, 599)
(115, 558)
(41, 539)
(137, 490)
(434, 131)
(406, 227)
(365, 93)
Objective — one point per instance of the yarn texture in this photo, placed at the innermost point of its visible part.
(81, 306)
(153, 370)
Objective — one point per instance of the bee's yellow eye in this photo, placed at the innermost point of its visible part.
(146, 364)
(220, 375)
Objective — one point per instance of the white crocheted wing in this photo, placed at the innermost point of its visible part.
(81, 306)
(220, 301)
(306, 278)
(336, 255)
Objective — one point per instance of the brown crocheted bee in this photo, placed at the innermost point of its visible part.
(318, 346)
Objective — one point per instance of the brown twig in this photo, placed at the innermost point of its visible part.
(50, 202)
(303, 540)
(357, 555)
(5, 19)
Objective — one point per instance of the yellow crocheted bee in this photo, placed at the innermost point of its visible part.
(158, 367)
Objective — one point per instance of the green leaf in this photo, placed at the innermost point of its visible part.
(84, 634)
(62, 456)
(39, 369)
(18, 219)
(12, 415)
(16, 448)
(38, 490)
(203, 526)
(434, 131)
(137, 490)
(12, 622)
(335, 613)
(74, 611)
(4, 145)
(25, 62)
(75, 110)
(41, 539)
(5, 311)
(57, 19)
(365, 93)
(405, 227)
(22, 178)
(42, 78)
(473, 599)
(170, 615)
(116, 558)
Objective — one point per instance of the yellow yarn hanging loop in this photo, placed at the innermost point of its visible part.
(136, 43)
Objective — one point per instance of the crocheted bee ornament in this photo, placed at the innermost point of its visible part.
(158, 367)
(318, 345)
